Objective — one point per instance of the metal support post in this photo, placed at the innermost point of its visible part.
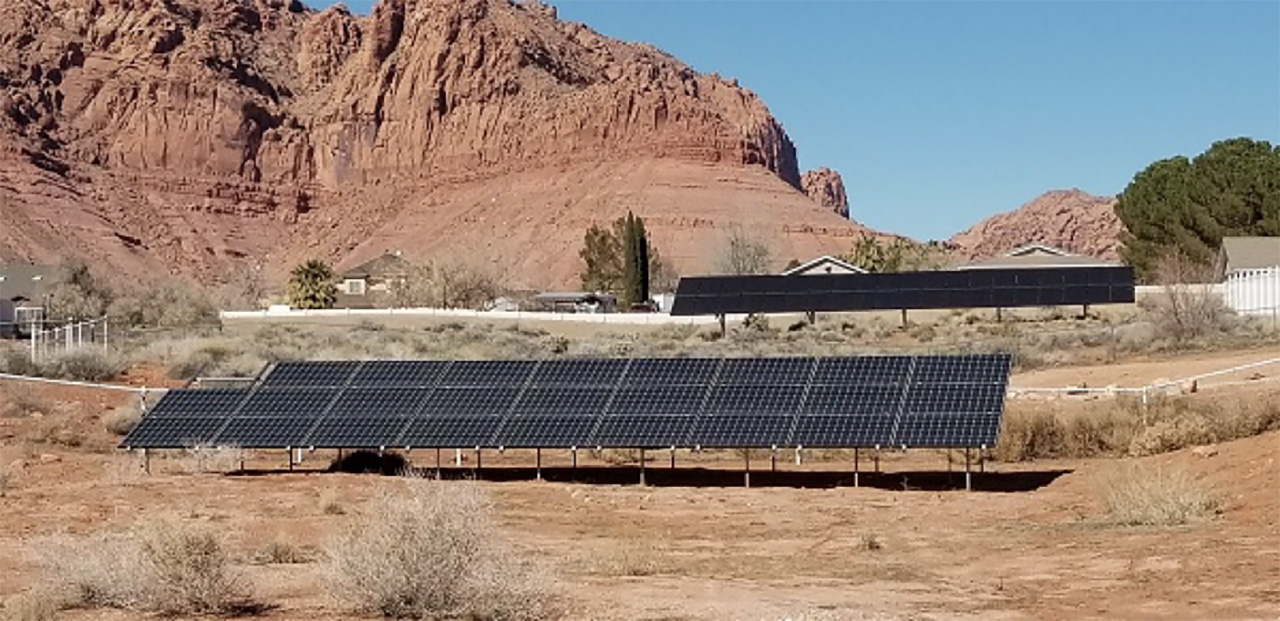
(457, 458)
(475, 468)
(904, 318)
(855, 467)
(982, 459)
(798, 458)
(773, 460)
(968, 477)
(746, 474)
(999, 314)
(642, 483)
(723, 330)
(437, 464)
(811, 316)
(289, 451)
(339, 455)
(877, 456)
(673, 458)
(146, 461)
(948, 463)
(538, 466)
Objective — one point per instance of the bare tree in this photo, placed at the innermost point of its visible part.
(1186, 308)
(742, 253)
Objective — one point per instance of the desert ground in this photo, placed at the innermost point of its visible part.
(1031, 541)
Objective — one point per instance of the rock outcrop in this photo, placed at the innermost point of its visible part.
(1068, 219)
(211, 133)
(826, 188)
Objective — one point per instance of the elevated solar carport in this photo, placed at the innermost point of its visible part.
(943, 289)
(862, 402)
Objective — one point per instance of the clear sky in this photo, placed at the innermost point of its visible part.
(938, 114)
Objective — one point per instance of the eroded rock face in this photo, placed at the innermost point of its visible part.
(265, 109)
(826, 188)
(1072, 220)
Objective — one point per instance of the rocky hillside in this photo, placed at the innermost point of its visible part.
(826, 187)
(1069, 219)
(203, 136)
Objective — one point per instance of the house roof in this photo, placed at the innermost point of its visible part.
(1249, 253)
(824, 260)
(388, 263)
(1035, 255)
(25, 281)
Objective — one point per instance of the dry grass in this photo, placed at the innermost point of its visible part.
(33, 606)
(1125, 427)
(56, 433)
(6, 480)
(120, 421)
(631, 559)
(166, 567)
(281, 551)
(870, 542)
(18, 400)
(331, 503)
(1155, 496)
(429, 549)
(199, 459)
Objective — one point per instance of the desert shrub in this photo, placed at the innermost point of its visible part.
(429, 550)
(120, 421)
(281, 551)
(33, 606)
(6, 478)
(16, 360)
(99, 571)
(58, 433)
(870, 542)
(370, 462)
(632, 559)
(170, 306)
(1170, 434)
(198, 459)
(1107, 432)
(189, 570)
(1030, 435)
(88, 365)
(1155, 496)
(19, 400)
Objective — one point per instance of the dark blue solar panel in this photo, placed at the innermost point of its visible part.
(264, 432)
(766, 371)
(639, 431)
(487, 373)
(357, 432)
(862, 370)
(287, 403)
(852, 400)
(546, 431)
(671, 371)
(658, 401)
(174, 432)
(843, 431)
(562, 402)
(445, 402)
(379, 402)
(758, 400)
(579, 372)
(740, 431)
(198, 403)
(399, 373)
(451, 432)
(325, 374)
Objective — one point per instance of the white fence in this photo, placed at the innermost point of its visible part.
(612, 318)
(1254, 292)
(68, 338)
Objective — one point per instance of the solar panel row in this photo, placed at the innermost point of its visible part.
(751, 402)
(986, 288)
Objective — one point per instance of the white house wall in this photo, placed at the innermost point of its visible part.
(1254, 292)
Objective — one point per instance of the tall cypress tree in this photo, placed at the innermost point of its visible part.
(642, 262)
(630, 258)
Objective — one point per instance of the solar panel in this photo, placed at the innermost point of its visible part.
(546, 431)
(641, 431)
(399, 373)
(378, 402)
(357, 432)
(325, 374)
(264, 432)
(1012, 287)
(937, 401)
(579, 372)
(174, 431)
(287, 402)
(183, 403)
(487, 373)
(450, 432)
(740, 431)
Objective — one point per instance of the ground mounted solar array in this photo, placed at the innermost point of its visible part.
(978, 288)
(840, 402)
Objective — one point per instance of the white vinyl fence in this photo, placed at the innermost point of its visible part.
(1254, 292)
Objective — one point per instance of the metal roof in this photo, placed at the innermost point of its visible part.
(1250, 253)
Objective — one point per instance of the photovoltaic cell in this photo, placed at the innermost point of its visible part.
(658, 401)
(671, 371)
(287, 403)
(474, 401)
(641, 431)
(451, 432)
(766, 371)
(198, 403)
(561, 402)
(579, 372)
(357, 432)
(740, 431)
(368, 403)
(754, 399)
(842, 431)
(399, 373)
(487, 373)
(546, 431)
(264, 432)
(174, 432)
(327, 374)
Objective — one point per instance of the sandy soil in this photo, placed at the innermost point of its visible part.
(1029, 543)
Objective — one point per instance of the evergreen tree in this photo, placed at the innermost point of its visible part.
(311, 285)
(621, 261)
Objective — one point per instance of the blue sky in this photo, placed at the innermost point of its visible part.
(938, 114)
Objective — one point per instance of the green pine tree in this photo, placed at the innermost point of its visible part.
(311, 285)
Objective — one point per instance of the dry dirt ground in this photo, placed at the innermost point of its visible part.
(1030, 542)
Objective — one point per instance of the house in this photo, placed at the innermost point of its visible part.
(1035, 255)
(826, 264)
(369, 284)
(23, 291)
(1246, 253)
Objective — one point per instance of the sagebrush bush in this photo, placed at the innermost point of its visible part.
(1135, 495)
(428, 549)
(281, 551)
(167, 567)
(32, 606)
(19, 400)
(6, 478)
(120, 421)
(86, 364)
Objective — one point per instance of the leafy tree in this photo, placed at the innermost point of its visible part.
(1186, 207)
(621, 260)
(77, 293)
(898, 255)
(311, 285)
(743, 254)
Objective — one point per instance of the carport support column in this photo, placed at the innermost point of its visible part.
(642, 483)
(968, 477)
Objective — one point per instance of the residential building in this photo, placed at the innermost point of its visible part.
(1035, 255)
(24, 288)
(825, 264)
(370, 284)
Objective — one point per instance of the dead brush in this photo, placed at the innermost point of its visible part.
(428, 549)
(632, 559)
(166, 567)
(120, 421)
(281, 551)
(1134, 495)
(19, 400)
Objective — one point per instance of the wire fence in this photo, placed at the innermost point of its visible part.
(69, 337)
